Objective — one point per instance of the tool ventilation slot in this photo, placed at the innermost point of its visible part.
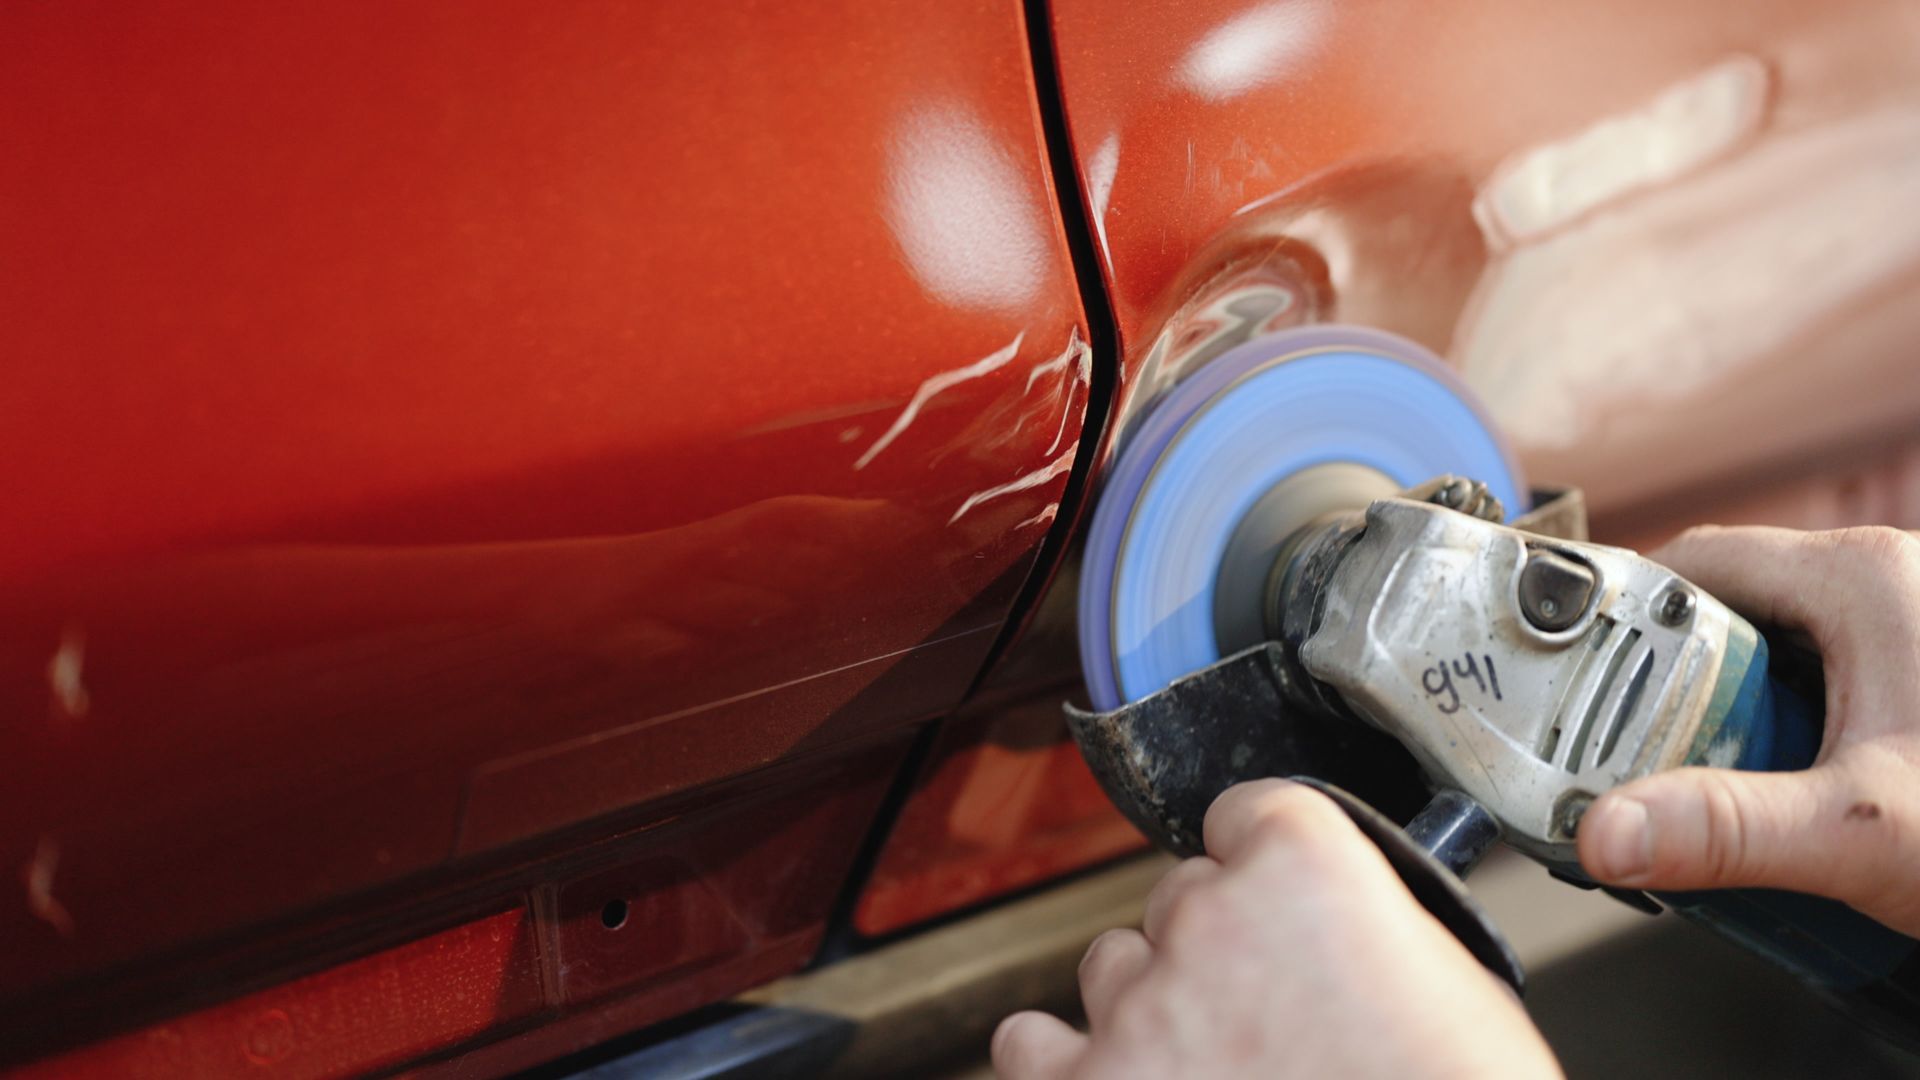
(1600, 699)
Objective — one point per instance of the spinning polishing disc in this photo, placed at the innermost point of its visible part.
(1257, 443)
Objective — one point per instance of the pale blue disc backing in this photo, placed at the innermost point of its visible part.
(1216, 443)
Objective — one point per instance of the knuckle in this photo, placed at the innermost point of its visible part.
(1197, 914)
(1240, 801)
(1185, 874)
(1142, 1015)
(1026, 1044)
(1102, 953)
(1183, 878)
(1013, 1042)
(1729, 830)
(1881, 549)
(1297, 817)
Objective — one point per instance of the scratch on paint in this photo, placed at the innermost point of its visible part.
(1058, 363)
(1033, 479)
(936, 385)
(1083, 373)
(1077, 354)
(1047, 514)
(70, 697)
(1060, 433)
(38, 875)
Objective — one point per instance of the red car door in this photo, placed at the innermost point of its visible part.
(509, 470)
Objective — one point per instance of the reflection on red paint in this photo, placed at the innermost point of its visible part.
(1671, 250)
(1004, 802)
(445, 437)
(710, 904)
(377, 1012)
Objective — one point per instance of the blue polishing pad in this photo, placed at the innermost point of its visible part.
(1206, 453)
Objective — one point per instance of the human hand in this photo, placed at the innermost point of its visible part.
(1849, 827)
(1291, 949)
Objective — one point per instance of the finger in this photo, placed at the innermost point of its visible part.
(1812, 831)
(1763, 571)
(1820, 582)
(1035, 1046)
(1165, 897)
(1272, 810)
(1114, 961)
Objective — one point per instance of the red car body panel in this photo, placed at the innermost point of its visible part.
(479, 463)
(1338, 153)
(712, 903)
(1716, 322)
(1005, 803)
(446, 437)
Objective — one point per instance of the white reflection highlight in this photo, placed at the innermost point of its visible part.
(1102, 166)
(1080, 354)
(1057, 467)
(1077, 353)
(70, 698)
(934, 386)
(1252, 48)
(961, 212)
(1044, 517)
(1688, 125)
(1661, 295)
(38, 875)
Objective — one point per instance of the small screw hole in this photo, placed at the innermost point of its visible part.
(614, 915)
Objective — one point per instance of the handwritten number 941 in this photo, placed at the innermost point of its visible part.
(1438, 680)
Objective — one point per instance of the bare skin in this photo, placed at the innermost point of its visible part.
(1849, 827)
(1293, 950)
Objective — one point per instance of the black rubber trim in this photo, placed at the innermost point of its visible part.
(1076, 221)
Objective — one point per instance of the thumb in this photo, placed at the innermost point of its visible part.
(1718, 828)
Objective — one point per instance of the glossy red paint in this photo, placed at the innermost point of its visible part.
(1667, 242)
(1257, 165)
(437, 427)
(378, 1012)
(710, 904)
(456, 440)
(1005, 802)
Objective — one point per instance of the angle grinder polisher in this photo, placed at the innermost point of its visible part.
(1301, 565)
